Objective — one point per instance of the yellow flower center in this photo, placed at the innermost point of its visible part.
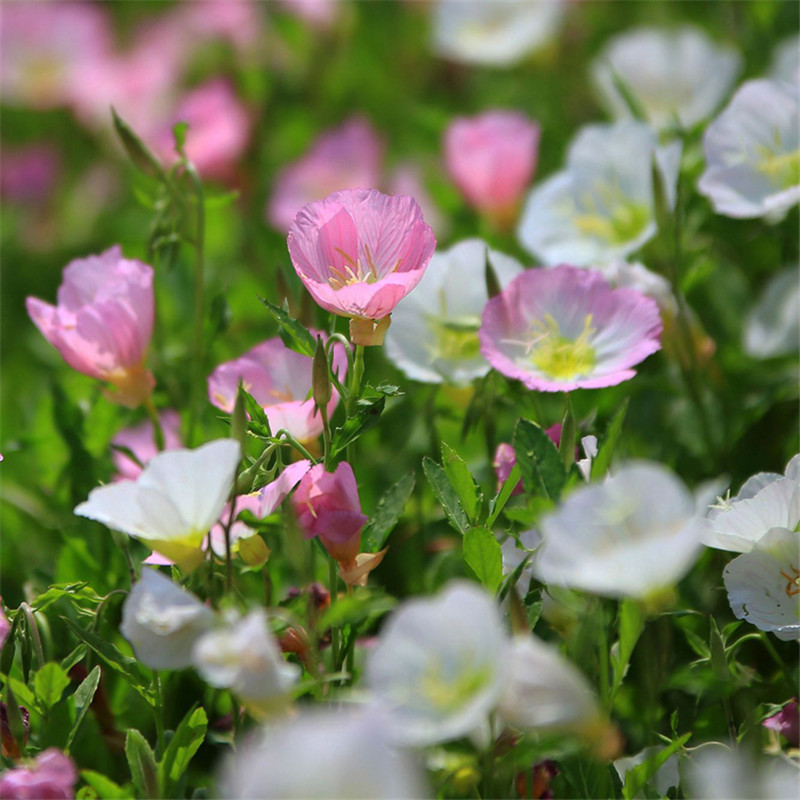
(455, 339)
(783, 170)
(353, 271)
(558, 357)
(625, 223)
(447, 693)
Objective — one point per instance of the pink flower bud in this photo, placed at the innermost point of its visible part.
(327, 505)
(786, 722)
(103, 322)
(52, 777)
(492, 158)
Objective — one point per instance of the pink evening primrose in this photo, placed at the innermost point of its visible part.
(359, 252)
(491, 158)
(280, 381)
(140, 440)
(564, 328)
(103, 322)
(52, 775)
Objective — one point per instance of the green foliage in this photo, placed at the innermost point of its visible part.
(142, 765)
(386, 514)
(539, 462)
(294, 335)
(446, 495)
(183, 745)
(482, 554)
(49, 684)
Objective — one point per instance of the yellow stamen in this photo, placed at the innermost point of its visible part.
(558, 357)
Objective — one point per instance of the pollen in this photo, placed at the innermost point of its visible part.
(559, 357)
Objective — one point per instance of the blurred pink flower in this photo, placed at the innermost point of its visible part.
(492, 158)
(29, 173)
(52, 777)
(317, 13)
(327, 505)
(140, 440)
(5, 627)
(359, 252)
(406, 179)
(235, 21)
(564, 328)
(347, 157)
(786, 722)
(280, 381)
(103, 322)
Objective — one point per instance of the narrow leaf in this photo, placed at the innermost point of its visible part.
(142, 764)
(141, 156)
(105, 787)
(446, 495)
(484, 557)
(49, 684)
(608, 443)
(294, 335)
(84, 695)
(368, 412)
(386, 514)
(184, 743)
(461, 480)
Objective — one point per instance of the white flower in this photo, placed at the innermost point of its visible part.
(513, 556)
(496, 33)
(434, 332)
(173, 503)
(438, 668)
(637, 276)
(600, 208)
(325, 754)
(244, 656)
(785, 64)
(672, 74)
(772, 327)
(766, 500)
(764, 584)
(162, 621)
(631, 536)
(753, 152)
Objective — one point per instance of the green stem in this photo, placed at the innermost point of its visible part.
(779, 661)
(158, 431)
(603, 654)
(326, 438)
(158, 713)
(228, 554)
(333, 583)
(356, 374)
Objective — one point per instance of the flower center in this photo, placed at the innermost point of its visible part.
(558, 357)
(626, 222)
(792, 576)
(449, 693)
(455, 339)
(352, 271)
(782, 170)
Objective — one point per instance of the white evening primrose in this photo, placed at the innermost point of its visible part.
(434, 333)
(173, 503)
(634, 275)
(243, 655)
(496, 33)
(766, 500)
(764, 585)
(753, 152)
(515, 551)
(673, 76)
(438, 669)
(329, 753)
(785, 65)
(772, 328)
(634, 535)
(162, 621)
(600, 208)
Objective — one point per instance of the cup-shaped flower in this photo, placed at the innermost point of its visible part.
(173, 503)
(772, 327)
(635, 535)
(764, 585)
(327, 505)
(601, 206)
(564, 328)
(331, 753)
(140, 440)
(753, 152)
(439, 667)
(434, 333)
(786, 722)
(359, 252)
(103, 321)
(280, 381)
(491, 158)
(52, 775)
(162, 621)
(675, 76)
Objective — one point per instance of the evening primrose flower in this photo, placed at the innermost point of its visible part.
(600, 207)
(564, 328)
(173, 503)
(434, 333)
(359, 252)
(764, 585)
(674, 75)
(772, 327)
(753, 152)
(140, 440)
(635, 535)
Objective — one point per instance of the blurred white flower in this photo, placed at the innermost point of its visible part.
(766, 500)
(772, 328)
(674, 75)
(342, 753)
(753, 152)
(764, 584)
(589, 445)
(785, 64)
(439, 667)
(600, 208)
(434, 332)
(634, 535)
(173, 503)
(637, 276)
(495, 33)
(513, 556)
(665, 777)
(162, 621)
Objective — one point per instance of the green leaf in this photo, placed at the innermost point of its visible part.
(484, 557)
(258, 422)
(294, 335)
(719, 660)
(608, 443)
(461, 480)
(631, 624)
(105, 787)
(142, 764)
(49, 684)
(84, 695)
(355, 608)
(533, 606)
(499, 501)
(184, 743)
(446, 495)
(141, 156)
(77, 593)
(368, 412)
(539, 461)
(21, 692)
(386, 514)
(636, 779)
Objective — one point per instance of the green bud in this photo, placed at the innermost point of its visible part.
(321, 378)
(239, 418)
(493, 287)
(138, 152)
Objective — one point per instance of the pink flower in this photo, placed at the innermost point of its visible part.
(786, 722)
(347, 157)
(103, 321)
(5, 627)
(564, 328)
(359, 252)
(492, 158)
(317, 13)
(140, 440)
(327, 505)
(52, 777)
(280, 381)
